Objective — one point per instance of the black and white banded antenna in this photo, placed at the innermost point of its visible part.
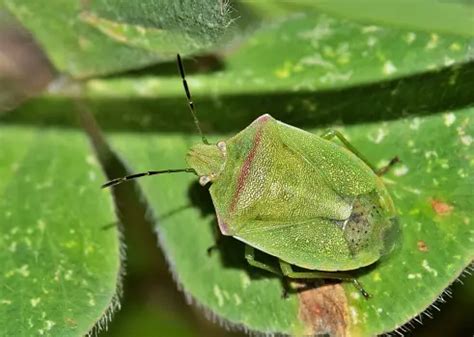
(120, 180)
(190, 99)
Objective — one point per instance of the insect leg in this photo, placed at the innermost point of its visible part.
(381, 171)
(217, 241)
(287, 270)
(330, 134)
(250, 257)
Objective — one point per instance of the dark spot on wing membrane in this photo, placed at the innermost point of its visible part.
(368, 216)
(358, 228)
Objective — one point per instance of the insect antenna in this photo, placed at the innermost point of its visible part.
(190, 99)
(120, 180)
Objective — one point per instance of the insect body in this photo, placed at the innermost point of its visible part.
(297, 196)
(302, 198)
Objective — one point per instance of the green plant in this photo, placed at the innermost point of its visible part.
(395, 88)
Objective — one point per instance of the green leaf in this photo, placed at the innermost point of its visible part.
(436, 152)
(397, 92)
(85, 39)
(317, 67)
(455, 16)
(373, 97)
(59, 247)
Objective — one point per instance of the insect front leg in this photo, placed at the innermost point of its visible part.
(250, 257)
(287, 271)
(381, 171)
(330, 134)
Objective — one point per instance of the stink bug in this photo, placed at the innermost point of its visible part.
(302, 198)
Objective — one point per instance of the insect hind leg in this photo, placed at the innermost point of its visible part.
(250, 257)
(330, 134)
(287, 271)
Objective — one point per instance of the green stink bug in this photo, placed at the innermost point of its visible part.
(302, 198)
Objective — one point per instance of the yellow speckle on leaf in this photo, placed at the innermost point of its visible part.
(455, 46)
(377, 277)
(433, 42)
(284, 72)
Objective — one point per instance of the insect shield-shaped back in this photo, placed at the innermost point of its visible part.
(294, 195)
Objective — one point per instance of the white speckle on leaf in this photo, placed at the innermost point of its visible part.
(449, 119)
(388, 68)
(415, 123)
(433, 42)
(333, 77)
(23, 271)
(412, 190)
(91, 301)
(355, 295)
(379, 136)
(318, 33)
(354, 315)
(400, 170)
(371, 41)
(91, 160)
(35, 301)
(379, 310)
(414, 276)
(410, 37)
(427, 267)
(462, 173)
(448, 61)
(466, 140)
(316, 60)
(238, 300)
(218, 294)
(370, 29)
(6, 302)
(431, 154)
(48, 325)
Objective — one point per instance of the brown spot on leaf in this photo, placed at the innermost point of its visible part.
(324, 310)
(440, 207)
(422, 247)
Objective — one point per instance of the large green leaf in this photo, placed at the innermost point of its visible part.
(455, 16)
(432, 191)
(393, 87)
(432, 188)
(101, 37)
(58, 251)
